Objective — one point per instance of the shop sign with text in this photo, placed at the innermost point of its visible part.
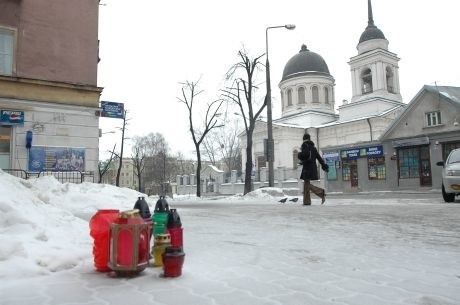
(360, 152)
(11, 117)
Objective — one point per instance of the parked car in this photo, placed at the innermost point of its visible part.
(451, 176)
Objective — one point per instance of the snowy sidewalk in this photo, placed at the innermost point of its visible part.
(349, 251)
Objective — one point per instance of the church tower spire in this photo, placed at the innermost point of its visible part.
(370, 18)
(374, 74)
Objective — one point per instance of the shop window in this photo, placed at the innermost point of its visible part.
(5, 132)
(332, 173)
(346, 171)
(409, 160)
(350, 171)
(433, 118)
(376, 168)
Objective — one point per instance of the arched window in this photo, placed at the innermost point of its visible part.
(366, 80)
(326, 95)
(289, 97)
(283, 100)
(295, 160)
(390, 80)
(314, 94)
(301, 95)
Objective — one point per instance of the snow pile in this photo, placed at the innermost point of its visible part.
(44, 224)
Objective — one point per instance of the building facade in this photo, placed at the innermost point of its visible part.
(49, 99)
(372, 142)
(362, 142)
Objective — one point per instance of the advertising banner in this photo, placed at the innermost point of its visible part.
(331, 158)
(56, 159)
(11, 117)
(354, 153)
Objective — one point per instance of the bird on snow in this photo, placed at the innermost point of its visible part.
(294, 199)
(283, 200)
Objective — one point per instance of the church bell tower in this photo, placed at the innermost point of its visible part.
(374, 75)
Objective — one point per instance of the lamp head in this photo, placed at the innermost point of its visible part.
(290, 26)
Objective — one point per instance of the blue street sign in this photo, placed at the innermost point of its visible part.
(112, 110)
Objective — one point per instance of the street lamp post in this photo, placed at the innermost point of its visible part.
(271, 146)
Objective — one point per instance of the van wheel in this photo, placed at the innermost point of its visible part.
(447, 197)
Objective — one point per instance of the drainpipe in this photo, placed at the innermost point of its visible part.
(370, 127)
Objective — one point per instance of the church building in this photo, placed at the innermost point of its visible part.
(308, 105)
(374, 142)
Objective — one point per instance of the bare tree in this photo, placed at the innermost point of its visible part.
(181, 164)
(223, 145)
(211, 148)
(117, 183)
(149, 154)
(138, 156)
(103, 166)
(242, 94)
(189, 93)
(161, 162)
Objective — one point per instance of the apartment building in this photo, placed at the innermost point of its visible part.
(49, 98)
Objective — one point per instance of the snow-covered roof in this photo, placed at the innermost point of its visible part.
(333, 123)
(214, 168)
(450, 94)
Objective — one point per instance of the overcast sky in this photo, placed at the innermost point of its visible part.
(147, 48)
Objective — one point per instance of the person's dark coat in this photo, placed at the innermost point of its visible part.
(309, 169)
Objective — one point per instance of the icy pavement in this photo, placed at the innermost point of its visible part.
(349, 251)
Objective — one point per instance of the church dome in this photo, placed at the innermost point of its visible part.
(371, 32)
(303, 63)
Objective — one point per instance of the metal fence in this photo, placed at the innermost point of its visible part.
(61, 176)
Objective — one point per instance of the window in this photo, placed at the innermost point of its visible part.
(301, 95)
(332, 173)
(409, 160)
(390, 80)
(326, 95)
(314, 94)
(5, 132)
(376, 168)
(295, 159)
(366, 79)
(345, 171)
(6, 51)
(261, 162)
(289, 97)
(282, 99)
(433, 118)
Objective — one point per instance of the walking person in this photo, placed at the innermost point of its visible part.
(308, 155)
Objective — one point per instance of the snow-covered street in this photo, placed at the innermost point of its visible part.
(352, 250)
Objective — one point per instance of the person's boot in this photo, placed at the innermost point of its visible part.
(323, 197)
